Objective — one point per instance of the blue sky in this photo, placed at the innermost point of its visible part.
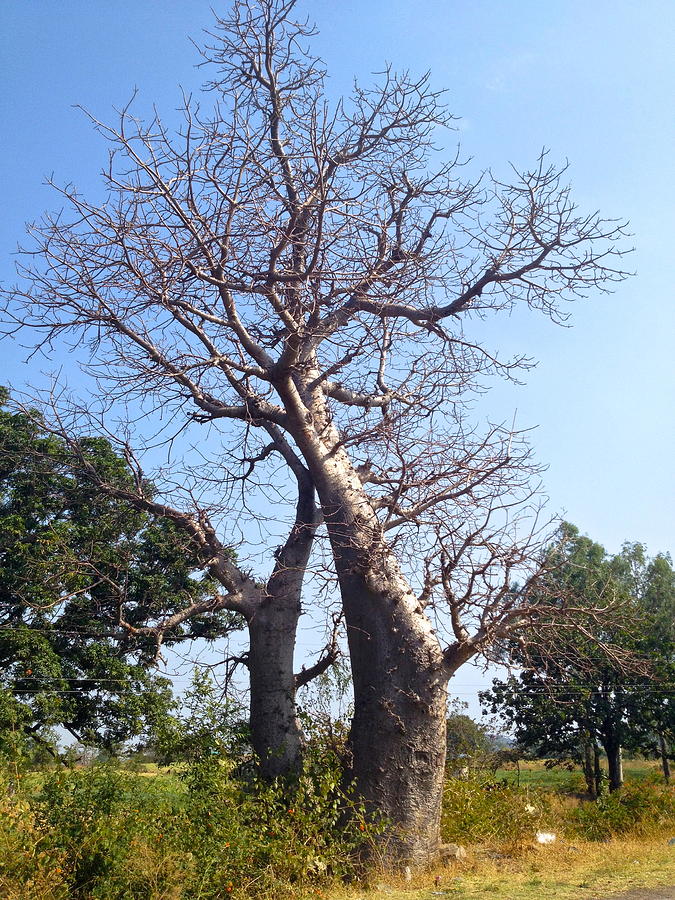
(595, 83)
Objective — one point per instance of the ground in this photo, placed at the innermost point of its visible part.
(619, 870)
(664, 893)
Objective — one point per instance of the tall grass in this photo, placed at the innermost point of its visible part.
(108, 834)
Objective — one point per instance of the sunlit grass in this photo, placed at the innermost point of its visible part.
(535, 773)
(557, 872)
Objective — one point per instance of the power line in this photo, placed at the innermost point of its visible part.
(653, 692)
(75, 680)
(94, 634)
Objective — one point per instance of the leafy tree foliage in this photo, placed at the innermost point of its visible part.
(651, 702)
(204, 728)
(574, 697)
(466, 738)
(74, 566)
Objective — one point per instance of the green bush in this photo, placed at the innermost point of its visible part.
(260, 837)
(30, 868)
(106, 834)
(478, 810)
(638, 808)
(107, 825)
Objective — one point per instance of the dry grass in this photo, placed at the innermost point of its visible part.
(555, 872)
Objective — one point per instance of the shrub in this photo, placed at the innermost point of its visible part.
(108, 829)
(637, 808)
(29, 868)
(479, 810)
(262, 837)
(106, 834)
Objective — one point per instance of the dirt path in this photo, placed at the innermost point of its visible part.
(662, 893)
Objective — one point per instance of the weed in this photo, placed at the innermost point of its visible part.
(638, 809)
(477, 810)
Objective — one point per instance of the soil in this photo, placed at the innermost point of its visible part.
(661, 893)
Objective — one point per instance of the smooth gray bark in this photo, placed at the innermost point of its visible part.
(275, 731)
(276, 735)
(398, 733)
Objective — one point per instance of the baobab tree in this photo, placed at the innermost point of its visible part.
(300, 274)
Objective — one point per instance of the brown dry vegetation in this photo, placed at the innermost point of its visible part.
(561, 871)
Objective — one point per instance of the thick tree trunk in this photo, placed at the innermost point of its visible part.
(398, 733)
(275, 731)
(665, 761)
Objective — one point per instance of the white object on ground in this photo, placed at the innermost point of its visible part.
(545, 837)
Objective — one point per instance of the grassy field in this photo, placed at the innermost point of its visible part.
(158, 834)
(561, 872)
(534, 773)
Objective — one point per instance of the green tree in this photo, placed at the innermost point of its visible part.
(468, 741)
(650, 705)
(83, 581)
(549, 721)
(597, 687)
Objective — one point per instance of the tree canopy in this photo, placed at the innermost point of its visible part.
(567, 703)
(83, 581)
